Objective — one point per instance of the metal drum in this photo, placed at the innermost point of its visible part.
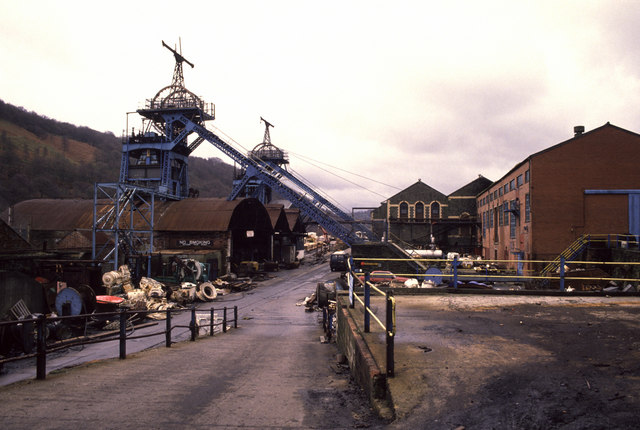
(75, 300)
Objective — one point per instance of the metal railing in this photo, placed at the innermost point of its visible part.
(124, 332)
(389, 326)
(454, 272)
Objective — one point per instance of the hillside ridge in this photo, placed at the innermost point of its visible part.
(45, 158)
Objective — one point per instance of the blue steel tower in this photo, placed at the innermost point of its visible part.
(248, 185)
(156, 157)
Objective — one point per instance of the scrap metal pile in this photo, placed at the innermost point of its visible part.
(154, 295)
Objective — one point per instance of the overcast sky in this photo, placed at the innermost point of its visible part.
(392, 91)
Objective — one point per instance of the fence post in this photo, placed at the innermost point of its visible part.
(123, 334)
(192, 325)
(235, 317)
(367, 300)
(391, 332)
(350, 281)
(455, 271)
(561, 273)
(41, 361)
(167, 333)
(224, 320)
(211, 326)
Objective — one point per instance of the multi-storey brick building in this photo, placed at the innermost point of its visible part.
(589, 184)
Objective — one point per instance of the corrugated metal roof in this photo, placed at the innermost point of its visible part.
(275, 211)
(293, 215)
(53, 214)
(201, 214)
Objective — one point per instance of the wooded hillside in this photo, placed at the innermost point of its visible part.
(45, 158)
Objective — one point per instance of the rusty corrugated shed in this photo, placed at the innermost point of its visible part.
(293, 215)
(274, 211)
(201, 214)
(53, 214)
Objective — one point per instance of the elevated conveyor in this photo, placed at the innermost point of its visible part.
(305, 198)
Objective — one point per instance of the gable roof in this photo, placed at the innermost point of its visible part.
(590, 133)
(418, 189)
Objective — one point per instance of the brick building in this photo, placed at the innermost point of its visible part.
(419, 212)
(589, 184)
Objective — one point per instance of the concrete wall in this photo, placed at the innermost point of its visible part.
(363, 367)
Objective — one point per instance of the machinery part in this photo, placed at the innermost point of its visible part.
(208, 291)
(434, 275)
(191, 270)
(111, 278)
(75, 300)
(324, 293)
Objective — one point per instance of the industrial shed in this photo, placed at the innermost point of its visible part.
(213, 230)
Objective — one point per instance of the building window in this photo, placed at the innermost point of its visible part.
(484, 222)
(490, 215)
(495, 195)
(500, 191)
(419, 210)
(512, 185)
(519, 181)
(512, 219)
(506, 188)
(526, 177)
(404, 210)
(435, 210)
(500, 215)
(496, 230)
(527, 208)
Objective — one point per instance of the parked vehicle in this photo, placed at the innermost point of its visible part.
(384, 276)
(338, 261)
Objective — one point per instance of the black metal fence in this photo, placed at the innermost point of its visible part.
(43, 324)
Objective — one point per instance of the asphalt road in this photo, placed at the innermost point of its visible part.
(271, 372)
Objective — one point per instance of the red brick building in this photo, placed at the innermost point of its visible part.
(589, 184)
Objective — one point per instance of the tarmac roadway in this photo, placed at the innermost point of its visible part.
(462, 361)
(273, 371)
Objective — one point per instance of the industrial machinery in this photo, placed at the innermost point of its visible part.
(251, 186)
(155, 165)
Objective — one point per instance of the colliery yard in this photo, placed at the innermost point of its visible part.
(492, 269)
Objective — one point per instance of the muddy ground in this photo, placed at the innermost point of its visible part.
(536, 363)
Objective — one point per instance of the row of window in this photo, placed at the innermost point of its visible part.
(513, 184)
(508, 213)
(419, 210)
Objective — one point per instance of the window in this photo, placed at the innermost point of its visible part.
(512, 185)
(527, 208)
(435, 210)
(484, 222)
(496, 230)
(404, 210)
(500, 215)
(419, 210)
(526, 177)
(500, 191)
(519, 181)
(512, 219)
(506, 188)
(490, 215)
(495, 195)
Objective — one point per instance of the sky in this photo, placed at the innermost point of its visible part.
(366, 97)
